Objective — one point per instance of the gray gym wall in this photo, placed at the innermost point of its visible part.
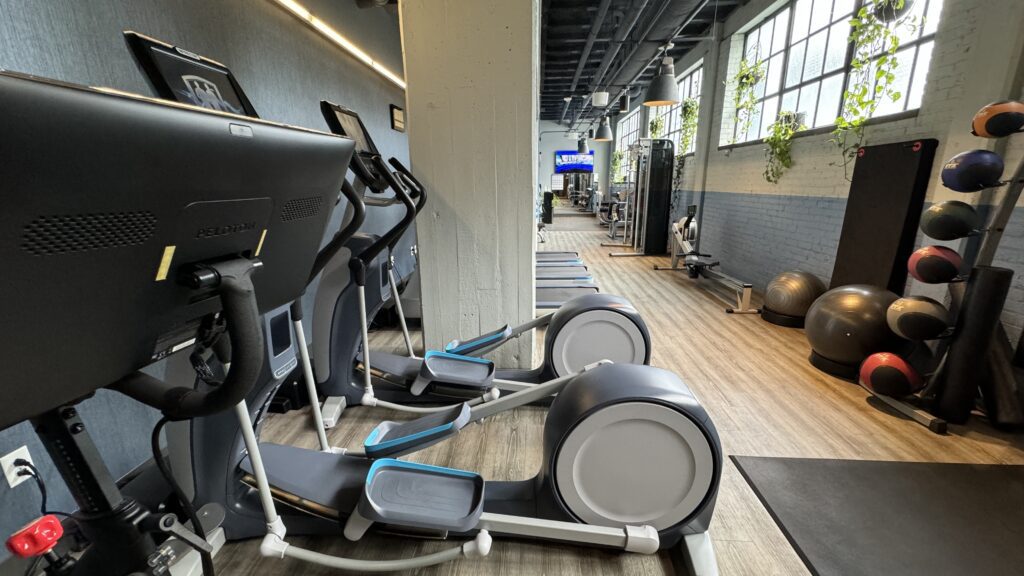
(285, 68)
(757, 229)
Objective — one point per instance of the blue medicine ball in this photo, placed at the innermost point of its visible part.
(972, 171)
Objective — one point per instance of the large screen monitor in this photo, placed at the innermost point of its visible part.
(567, 161)
(100, 220)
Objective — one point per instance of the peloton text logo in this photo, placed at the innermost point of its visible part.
(215, 231)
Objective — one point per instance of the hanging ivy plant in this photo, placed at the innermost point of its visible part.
(873, 33)
(744, 100)
(617, 166)
(656, 125)
(779, 141)
(677, 171)
(688, 112)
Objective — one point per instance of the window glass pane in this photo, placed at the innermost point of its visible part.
(905, 62)
(755, 124)
(774, 75)
(828, 101)
(764, 41)
(931, 19)
(842, 9)
(801, 18)
(750, 50)
(910, 28)
(770, 113)
(815, 55)
(789, 101)
(837, 45)
(796, 64)
(808, 101)
(924, 58)
(781, 25)
(821, 15)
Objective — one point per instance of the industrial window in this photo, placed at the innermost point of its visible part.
(808, 58)
(672, 116)
(627, 134)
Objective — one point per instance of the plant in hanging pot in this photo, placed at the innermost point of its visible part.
(779, 143)
(874, 34)
(748, 76)
(656, 125)
(892, 10)
(617, 175)
(688, 112)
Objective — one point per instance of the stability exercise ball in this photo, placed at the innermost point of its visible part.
(998, 119)
(972, 171)
(934, 264)
(950, 220)
(887, 374)
(788, 297)
(917, 318)
(846, 325)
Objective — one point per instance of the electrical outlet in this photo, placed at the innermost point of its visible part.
(10, 470)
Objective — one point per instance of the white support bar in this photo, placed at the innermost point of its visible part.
(640, 539)
(307, 374)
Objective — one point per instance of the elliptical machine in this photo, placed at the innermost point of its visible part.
(584, 330)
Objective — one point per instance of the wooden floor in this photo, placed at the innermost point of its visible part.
(754, 379)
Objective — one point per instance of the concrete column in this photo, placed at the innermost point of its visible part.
(472, 72)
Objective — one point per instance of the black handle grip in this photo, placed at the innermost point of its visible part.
(343, 235)
(362, 261)
(238, 298)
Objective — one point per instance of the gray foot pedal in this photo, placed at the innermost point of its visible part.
(454, 374)
(480, 344)
(391, 439)
(412, 495)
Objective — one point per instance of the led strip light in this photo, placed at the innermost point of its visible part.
(344, 43)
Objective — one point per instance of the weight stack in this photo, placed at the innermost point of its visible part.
(958, 382)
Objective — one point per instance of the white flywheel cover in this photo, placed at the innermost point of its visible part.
(634, 463)
(597, 335)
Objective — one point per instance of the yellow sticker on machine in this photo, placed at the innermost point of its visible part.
(165, 263)
(260, 246)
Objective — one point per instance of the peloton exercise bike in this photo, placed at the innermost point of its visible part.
(585, 329)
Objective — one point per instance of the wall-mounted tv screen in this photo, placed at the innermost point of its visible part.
(573, 161)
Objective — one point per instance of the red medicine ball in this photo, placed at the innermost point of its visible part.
(934, 264)
(889, 375)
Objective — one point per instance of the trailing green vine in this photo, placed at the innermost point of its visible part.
(657, 124)
(688, 112)
(744, 100)
(617, 176)
(872, 72)
(779, 141)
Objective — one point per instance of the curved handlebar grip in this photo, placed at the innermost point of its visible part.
(421, 198)
(238, 298)
(338, 241)
(397, 164)
(391, 236)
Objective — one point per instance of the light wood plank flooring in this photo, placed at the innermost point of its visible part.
(754, 378)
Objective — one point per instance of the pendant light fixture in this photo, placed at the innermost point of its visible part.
(604, 131)
(663, 90)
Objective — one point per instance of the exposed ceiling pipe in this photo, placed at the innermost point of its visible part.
(621, 33)
(602, 10)
(646, 53)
